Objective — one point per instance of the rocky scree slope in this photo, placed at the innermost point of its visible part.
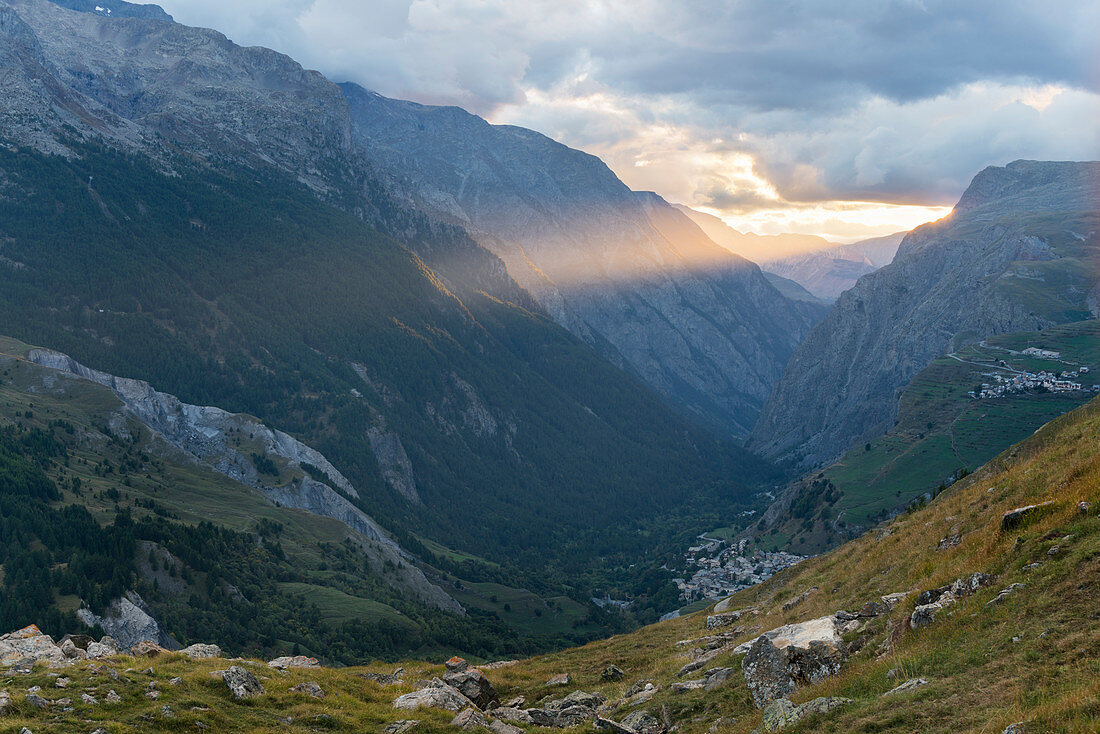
(1020, 252)
(623, 270)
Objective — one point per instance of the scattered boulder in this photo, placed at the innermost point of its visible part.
(310, 688)
(294, 661)
(501, 727)
(688, 685)
(563, 713)
(61, 683)
(400, 726)
(643, 722)
(36, 701)
(71, 651)
(933, 601)
(561, 679)
(909, 685)
(200, 651)
(147, 649)
(1014, 518)
(473, 684)
(716, 677)
(5, 702)
(612, 673)
(792, 603)
(456, 665)
(783, 659)
(1083, 508)
(105, 648)
(89, 699)
(436, 695)
(781, 713)
(1004, 594)
(1018, 728)
(511, 713)
(385, 679)
(113, 697)
(242, 683)
(29, 642)
(714, 621)
(469, 719)
(925, 614)
(608, 725)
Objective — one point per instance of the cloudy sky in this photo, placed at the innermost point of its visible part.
(845, 119)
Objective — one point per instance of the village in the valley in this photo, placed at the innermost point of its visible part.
(1017, 382)
(724, 568)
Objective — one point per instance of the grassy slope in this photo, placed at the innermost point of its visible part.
(981, 680)
(940, 429)
(191, 493)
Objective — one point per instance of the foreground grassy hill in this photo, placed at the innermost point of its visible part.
(941, 433)
(1034, 657)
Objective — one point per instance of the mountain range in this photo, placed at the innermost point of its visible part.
(1019, 252)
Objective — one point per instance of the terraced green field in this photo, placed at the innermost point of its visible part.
(942, 432)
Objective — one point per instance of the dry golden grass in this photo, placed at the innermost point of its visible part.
(980, 679)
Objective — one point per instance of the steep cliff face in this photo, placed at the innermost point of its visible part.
(621, 269)
(1020, 252)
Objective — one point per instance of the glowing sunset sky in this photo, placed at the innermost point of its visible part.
(845, 119)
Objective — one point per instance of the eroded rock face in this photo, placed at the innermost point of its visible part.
(129, 621)
(781, 660)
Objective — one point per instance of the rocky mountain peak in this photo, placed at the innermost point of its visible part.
(117, 9)
(1046, 184)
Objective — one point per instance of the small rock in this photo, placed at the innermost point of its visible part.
(642, 722)
(310, 688)
(1016, 639)
(1083, 508)
(5, 701)
(1054, 551)
(153, 694)
(241, 683)
(105, 648)
(1014, 518)
(167, 712)
(561, 679)
(175, 681)
(470, 718)
(400, 726)
(200, 651)
(500, 727)
(1003, 594)
(456, 665)
(516, 702)
(295, 661)
(909, 685)
(716, 677)
(113, 697)
(147, 649)
(1018, 728)
(61, 683)
(34, 689)
(1032, 566)
(89, 699)
(37, 701)
(612, 673)
(688, 685)
(512, 713)
(603, 724)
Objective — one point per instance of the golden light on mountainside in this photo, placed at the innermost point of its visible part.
(839, 221)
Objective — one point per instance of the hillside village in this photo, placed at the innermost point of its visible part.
(725, 568)
(1043, 381)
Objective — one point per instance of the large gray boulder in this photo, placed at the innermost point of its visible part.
(781, 660)
(473, 684)
(437, 695)
(30, 643)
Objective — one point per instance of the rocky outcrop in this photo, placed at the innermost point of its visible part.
(1005, 260)
(781, 660)
(1015, 518)
(933, 601)
(622, 270)
(473, 684)
(206, 434)
(129, 621)
(29, 644)
(781, 713)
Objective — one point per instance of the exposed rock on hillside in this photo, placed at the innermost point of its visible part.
(1009, 258)
(129, 621)
(214, 437)
(623, 270)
